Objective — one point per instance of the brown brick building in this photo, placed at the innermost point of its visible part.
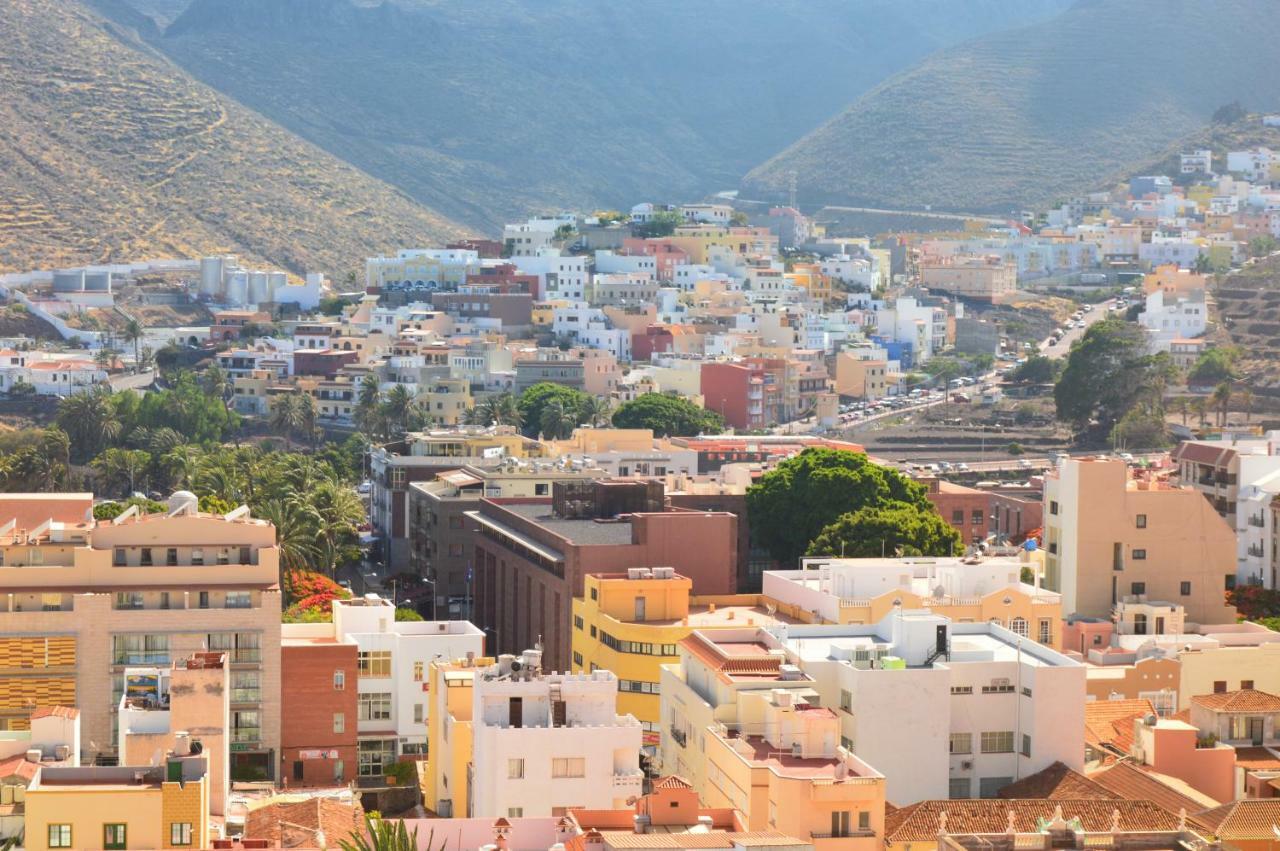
(318, 712)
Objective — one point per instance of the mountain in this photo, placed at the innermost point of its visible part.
(110, 152)
(1018, 117)
(490, 109)
(1219, 137)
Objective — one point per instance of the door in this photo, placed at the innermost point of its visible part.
(640, 609)
(1159, 626)
(942, 639)
(1255, 731)
(297, 769)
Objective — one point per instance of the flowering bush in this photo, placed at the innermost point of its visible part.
(1254, 602)
(313, 595)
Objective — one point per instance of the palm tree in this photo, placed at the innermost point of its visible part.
(340, 512)
(296, 529)
(1180, 405)
(1201, 407)
(133, 332)
(396, 408)
(596, 411)
(386, 835)
(1246, 403)
(214, 381)
(508, 413)
(121, 469)
(366, 411)
(1222, 401)
(293, 414)
(556, 422)
(90, 420)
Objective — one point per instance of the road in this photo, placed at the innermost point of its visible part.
(1063, 347)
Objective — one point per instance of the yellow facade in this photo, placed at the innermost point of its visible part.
(449, 739)
(1039, 618)
(608, 634)
(809, 278)
(35, 671)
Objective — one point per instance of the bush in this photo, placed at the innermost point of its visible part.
(1254, 602)
(112, 509)
(1015, 448)
(403, 614)
(403, 773)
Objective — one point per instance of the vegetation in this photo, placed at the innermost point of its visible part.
(552, 410)
(1108, 375)
(111, 510)
(501, 409)
(668, 416)
(406, 614)
(313, 596)
(175, 169)
(385, 835)
(891, 529)
(1214, 366)
(661, 223)
(1010, 150)
(1037, 369)
(1255, 603)
(798, 501)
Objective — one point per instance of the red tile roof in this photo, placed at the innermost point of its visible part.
(56, 711)
(1057, 782)
(293, 824)
(920, 822)
(1136, 783)
(1254, 818)
(20, 767)
(32, 509)
(1244, 700)
(1100, 717)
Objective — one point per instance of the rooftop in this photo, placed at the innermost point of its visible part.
(612, 532)
(1244, 700)
(921, 822)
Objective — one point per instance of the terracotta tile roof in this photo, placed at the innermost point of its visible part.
(919, 822)
(20, 767)
(1257, 758)
(672, 781)
(1254, 818)
(1100, 717)
(293, 824)
(56, 712)
(1244, 700)
(1136, 783)
(32, 509)
(1057, 782)
(1202, 453)
(755, 838)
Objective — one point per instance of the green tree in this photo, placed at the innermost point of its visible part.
(292, 415)
(404, 614)
(296, 528)
(1036, 369)
(1108, 372)
(1140, 429)
(1214, 366)
(536, 398)
(122, 470)
(556, 422)
(396, 410)
(1261, 246)
(794, 502)
(667, 416)
(90, 421)
(661, 223)
(1222, 402)
(596, 411)
(133, 332)
(368, 406)
(1230, 113)
(384, 835)
(895, 528)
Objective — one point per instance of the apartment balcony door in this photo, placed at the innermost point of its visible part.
(1255, 731)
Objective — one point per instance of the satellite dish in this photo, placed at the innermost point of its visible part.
(515, 666)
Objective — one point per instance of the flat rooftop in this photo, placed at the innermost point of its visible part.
(980, 647)
(580, 532)
(761, 753)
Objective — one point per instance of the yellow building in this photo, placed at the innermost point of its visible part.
(698, 240)
(749, 733)
(449, 741)
(630, 623)
(809, 277)
(118, 807)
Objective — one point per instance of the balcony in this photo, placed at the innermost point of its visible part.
(680, 737)
(1256, 520)
(157, 658)
(246, 734)
(847, 834)
(246, 695)
(628, 778)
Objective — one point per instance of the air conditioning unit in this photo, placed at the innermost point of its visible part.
(966, 765)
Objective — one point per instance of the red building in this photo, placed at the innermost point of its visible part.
(324, 362)
(966, 509)
(505, 278)
(736, 392)
(665, 254)
(318, 712)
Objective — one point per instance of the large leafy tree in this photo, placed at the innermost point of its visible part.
(1108, 373)
(895, 528)
(535, 399)
(667, 416)
(793, 503)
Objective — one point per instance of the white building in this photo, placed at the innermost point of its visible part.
(544, 743)
(1196, 162)
(527, 239)
(945, 709)
(1170, 316)
(50, 373)
(1162, 250)
(923, 326)
(560, 276)
(588, 326)
(608, 263)
(393, 658)
(712, 214)
(421, 269)
(1254, 164)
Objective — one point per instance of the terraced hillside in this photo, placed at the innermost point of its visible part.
(1248, 316)
(491, 109)
(107, 151)
(1240, 135)
(1022, 116)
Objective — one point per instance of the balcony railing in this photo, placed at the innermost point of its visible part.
(680, 736)
(246, 695)
(158, 658)
(1256, 520)
(845, 834)
(246, 734)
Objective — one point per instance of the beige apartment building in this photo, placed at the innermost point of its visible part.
(981, 278)
(1109, 536)
(82, 601)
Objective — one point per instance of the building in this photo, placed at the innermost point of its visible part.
(440, 536)
(391, 672)
(88, 807)
(748, 729)
(861, 377)
(1168, 318)
(630, 623)
(968, 510)
(318, 711)
(736, 392)
(122, 593)
(571, 372)
(531, 555)
(1109, 535)
(965, 590)
(545, 743)
(978, 278)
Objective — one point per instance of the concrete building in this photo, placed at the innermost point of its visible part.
(1109, 535)
(983, 705)
(422, 269)
(318, 710)
(1168, 318)
(391, 670)
(122, 593)
(531, 554)
(978, 278)
(546, 743)
(749, 729)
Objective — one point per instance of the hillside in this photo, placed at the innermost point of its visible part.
(108, 152)
(1247, 307)
(1019, 117)
(1240, 135)
(490, 109)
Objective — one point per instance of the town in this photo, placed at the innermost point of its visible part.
(694, 525)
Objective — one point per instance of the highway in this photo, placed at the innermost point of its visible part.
(1063, 348)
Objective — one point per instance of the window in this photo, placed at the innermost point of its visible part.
(572, 766)
(456, 550)
(146, 557)
(958, 788)
(339, 680)
(515, 812)
(375, 663)
(595, 594)
(957, 516)
(239, 600)
(197, 557)
(1240, 726)
(418, 665)
(962, 689)
(140, 649)
(117, 559)
(180, 833)
(1185, 589)
(1141, 521)
(577, 658)
(961, 743)
(375, 706)
(578, 622)
(846, 701)
(114, 836)
(515, 769)
(203, 599)
(989, 787)
(1139, 555)
(375, 755)
(977, 517)
(1026, 744)
(246, 687)
(840, 823)
(1046, 631)
(59, 836)
(1138, 588)
(998, 741)
(593, 632)
(1019, 626)
(339, 722)
(418, 713)
(1053, 506)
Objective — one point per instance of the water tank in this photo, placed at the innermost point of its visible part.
(181, 743)
(183, 499)
(259, 292)
(211, 269)
(97, 282)
(237, 289)
(276, 281)
(35, 755)
(69, 281)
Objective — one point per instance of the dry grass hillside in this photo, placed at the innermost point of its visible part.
(108, 152)
(1248, 316)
